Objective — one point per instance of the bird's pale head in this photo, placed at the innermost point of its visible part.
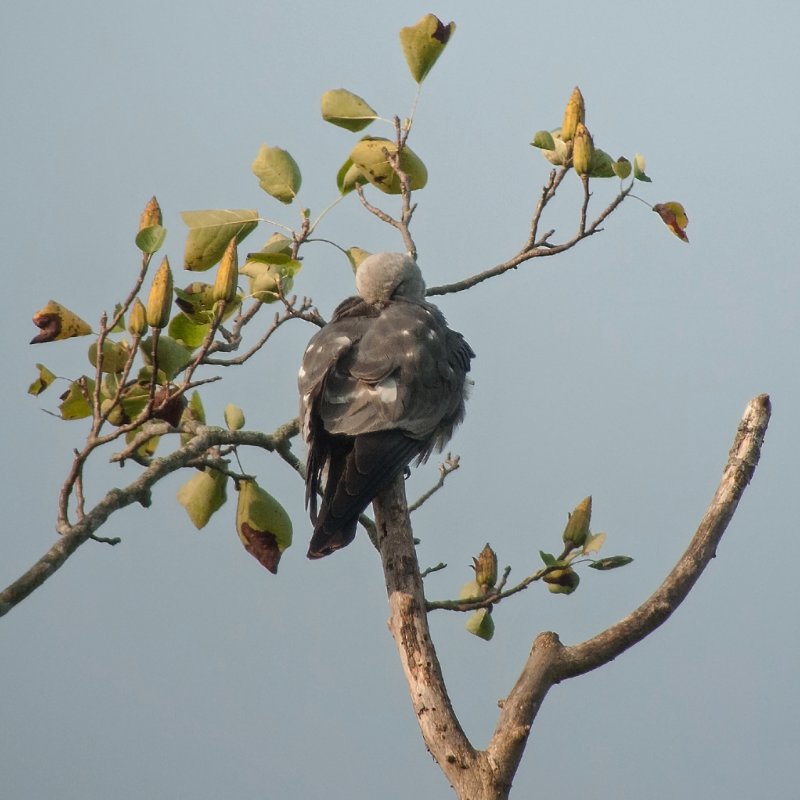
(388, 276)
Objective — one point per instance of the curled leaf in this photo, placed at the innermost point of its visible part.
(57, 322)
(622, 167)
(347, 110)
(42, 382)
(481, 624)
(611, 562)
(234, 417)
(202, 495)
(76, 401)
(638, 168)
(263, 525)
(674, 217)
(543, 140)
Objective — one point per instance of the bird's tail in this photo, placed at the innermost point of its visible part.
(354, 479)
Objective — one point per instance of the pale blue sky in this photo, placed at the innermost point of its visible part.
(173, 665)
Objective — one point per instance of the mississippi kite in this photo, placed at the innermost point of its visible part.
(382, 384)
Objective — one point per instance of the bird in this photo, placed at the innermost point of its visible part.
(383, 383)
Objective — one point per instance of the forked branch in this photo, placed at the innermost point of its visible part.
(484, 774)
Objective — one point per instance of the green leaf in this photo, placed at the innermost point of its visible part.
(481, 624)
(348, 177)
(202, 495)
(593, 543)
(347, 110)
(543, 140)
(601, 165)
(120, 326)
(622, 167)
(115, 356)
(44, 380)
(611, 562)
(277, 172)
(172, 355)
(234, 417)
(269, 270)
(187, 331)
(423, 43)
(548, 558)
(559, 155)
(263, 525)
(638, 168)
(211, 231)
(57, 322)
(471, 590)
(356, 255)
(149, 240)
(75, 401)
(371, 156)
(147, 448)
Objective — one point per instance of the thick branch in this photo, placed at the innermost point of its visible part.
(408, 623)
(550, 662)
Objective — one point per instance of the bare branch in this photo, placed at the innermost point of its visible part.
(539, 249)
(450, 464)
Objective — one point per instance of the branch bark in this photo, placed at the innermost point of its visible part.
(138, 491)
(488, 774)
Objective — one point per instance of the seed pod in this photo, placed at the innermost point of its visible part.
(227, 274)
(159, 301)
(577, 528)
(151, 214)
(582, 149)
(574, 113)
(137, 321)
(485, 566)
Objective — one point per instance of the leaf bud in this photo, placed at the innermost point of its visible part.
(574, 113)
(582, 150)
(577, 528)
(485, 566)
(137, 321)
(227, 275)
(159, 301)
(151, 214)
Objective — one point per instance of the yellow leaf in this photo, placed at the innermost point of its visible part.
(674, 217)
(57, 322)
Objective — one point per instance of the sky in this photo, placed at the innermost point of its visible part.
(174, 665)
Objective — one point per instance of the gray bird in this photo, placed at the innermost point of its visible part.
(382, 384)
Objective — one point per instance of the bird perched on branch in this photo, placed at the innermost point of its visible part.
(382, 384)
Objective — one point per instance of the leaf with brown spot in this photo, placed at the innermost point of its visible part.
(42, 382)
(674, 217)
(263, 525)
(57, 322)
(423, 43)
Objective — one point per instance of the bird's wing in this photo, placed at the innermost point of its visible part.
(405, 371)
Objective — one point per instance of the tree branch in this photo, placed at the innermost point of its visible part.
(408, 623)
(138, 491)
(550, 662)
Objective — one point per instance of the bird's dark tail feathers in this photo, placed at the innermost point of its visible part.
(358, 468)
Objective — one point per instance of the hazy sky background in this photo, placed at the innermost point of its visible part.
(174, 665)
